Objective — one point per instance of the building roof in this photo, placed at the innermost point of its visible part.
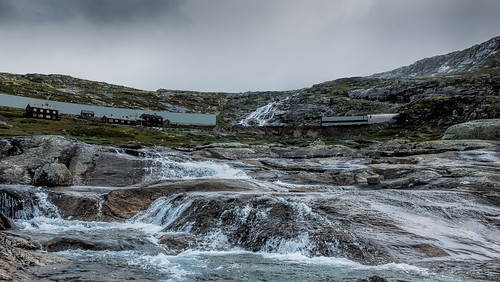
(131, 118)
(87, 112)
(47, 107)
(153, 116)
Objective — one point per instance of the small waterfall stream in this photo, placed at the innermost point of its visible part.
(261, 115)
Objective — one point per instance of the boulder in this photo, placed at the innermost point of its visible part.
(6, 223)
(5, 146)
(21, 156)
(486, 129)
(373, 179)
(4, 125)
(54, 174)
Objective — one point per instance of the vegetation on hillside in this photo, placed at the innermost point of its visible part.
(93, 131)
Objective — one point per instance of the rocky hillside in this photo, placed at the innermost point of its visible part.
(433, 93)
(484, 56)
(65, 88)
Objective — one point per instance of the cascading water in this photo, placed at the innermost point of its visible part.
(28, 203)
(338, 234)
(228, 235)
(261, 115)
(167, 165)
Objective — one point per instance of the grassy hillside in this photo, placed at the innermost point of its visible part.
(428, 99)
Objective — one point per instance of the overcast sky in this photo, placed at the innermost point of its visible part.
(234, 45)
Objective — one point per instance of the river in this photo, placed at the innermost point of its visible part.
(279, 229)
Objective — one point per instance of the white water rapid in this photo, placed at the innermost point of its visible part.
(166, 165)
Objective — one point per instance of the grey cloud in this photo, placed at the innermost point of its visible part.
(92, 11)
(234, 45)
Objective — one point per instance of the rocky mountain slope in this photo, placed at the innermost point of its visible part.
(484, 56)
(432, 93)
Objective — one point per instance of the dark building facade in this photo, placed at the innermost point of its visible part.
(87, 114)
(121, 120)
(41, 112)
(152, 120)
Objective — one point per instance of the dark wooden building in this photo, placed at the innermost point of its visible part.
(41, 112)
(87, 114)
(121, 120)
(152, 120)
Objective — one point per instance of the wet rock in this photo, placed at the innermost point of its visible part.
(177, 242)
(76, 205)
(17, 254)
(264, 223)
(349, 177)
(488, 129)
(62, 244)
(411, 180)
(6, 223)
(125, 203)
(430, 250)
(96, 166)
(308, 178)
(55, 174)
(73, 243)
(314, 152)
(374, 278)
(273, 152)
(373, 179)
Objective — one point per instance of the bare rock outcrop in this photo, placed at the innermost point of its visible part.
(488, 129)
(21, 156)
(56, 160)
(53, 175)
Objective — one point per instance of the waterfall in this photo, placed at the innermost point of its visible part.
(164, 211)
(44, 206)
(166, 165)
(261, 116)
(29, 203)
(252, 222)
(16, 207)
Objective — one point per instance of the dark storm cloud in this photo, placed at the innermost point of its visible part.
(92, 11)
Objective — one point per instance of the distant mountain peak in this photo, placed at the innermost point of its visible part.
(481, 57)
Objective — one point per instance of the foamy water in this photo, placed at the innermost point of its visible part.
(167, 166)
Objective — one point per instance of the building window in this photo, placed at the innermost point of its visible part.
(48, 117)
(35, 109)
(54, 112)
